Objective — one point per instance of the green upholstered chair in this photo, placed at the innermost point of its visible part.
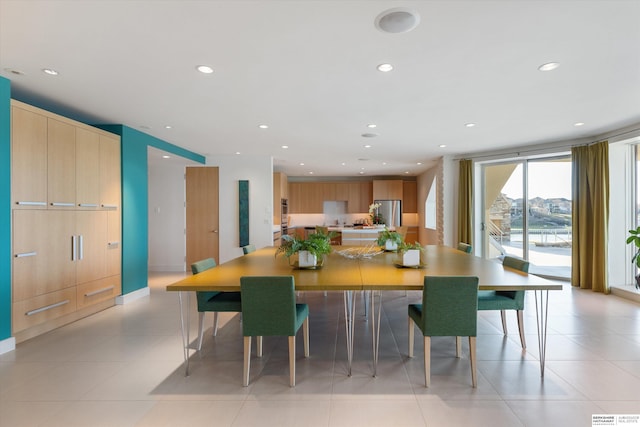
(449, 308)
(248, 249)
(464, 247)
(213, 301)
(507, 300)
(269, 309)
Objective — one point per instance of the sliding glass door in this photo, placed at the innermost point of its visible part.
(527, 213)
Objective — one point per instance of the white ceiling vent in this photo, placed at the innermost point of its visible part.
(397, 20)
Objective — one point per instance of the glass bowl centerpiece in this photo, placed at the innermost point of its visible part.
(306, 253)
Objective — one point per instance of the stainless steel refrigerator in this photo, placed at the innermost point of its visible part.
(391, 212)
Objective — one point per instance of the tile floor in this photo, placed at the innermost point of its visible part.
(124, 367)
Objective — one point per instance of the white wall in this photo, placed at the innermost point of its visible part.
(166, 217)
(258, 170)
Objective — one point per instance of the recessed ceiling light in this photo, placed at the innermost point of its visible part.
(385, 68)
(311, 173)
(367, 146)
(14, 71)
(470, 125)
(263, 126)
(369, 135)
(442, 145)
(50, 71)
(301, 164)
(343, 164)
(166, 157)
(285, 146)
(168, 127)
(419, 163)
(549, 66)
(397, 20)
(384, 163)
(237, 152)
(371, 126)
(361, 173)
(205, 69)
(578, 124)
(406, 171)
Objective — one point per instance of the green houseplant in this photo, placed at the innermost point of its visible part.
(409, 254)
(310, 252)
(635, 239)
(389, 239)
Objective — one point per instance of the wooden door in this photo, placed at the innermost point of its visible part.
(202, 213)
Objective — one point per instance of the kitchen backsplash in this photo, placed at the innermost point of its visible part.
(296, 220)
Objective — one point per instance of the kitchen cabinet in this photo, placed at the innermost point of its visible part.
(66, 220)
(387, 189)
(360, 197)
(409, 197)
(306, 197)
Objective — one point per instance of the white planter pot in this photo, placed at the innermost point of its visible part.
(411, 257)
(306, 259)
(390, 245)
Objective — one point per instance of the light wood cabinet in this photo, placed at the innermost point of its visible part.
(342, 191)
(87, 169)
(280, 191)
(28, 159)
(387, 189)
(306, 197)
(360, 197)
(409, 197)
(66, 220)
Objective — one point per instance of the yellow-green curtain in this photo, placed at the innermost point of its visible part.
(590, 193)
(465, 202)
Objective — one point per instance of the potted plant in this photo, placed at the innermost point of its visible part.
(389, 239)
(309, 252)
(409, 254)
(635, 239)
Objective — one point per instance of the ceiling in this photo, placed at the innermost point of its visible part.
(307, 69)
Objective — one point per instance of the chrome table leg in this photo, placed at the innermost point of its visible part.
(542, 314)
(375, 327)
(185, 335)
(349, 311)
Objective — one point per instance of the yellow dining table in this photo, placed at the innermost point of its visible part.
(377, 273)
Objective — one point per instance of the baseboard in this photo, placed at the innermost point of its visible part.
(7, 345)
(170, 268)
(132, 296)
(627, 292)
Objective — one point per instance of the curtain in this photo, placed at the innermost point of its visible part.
(590, 205)
(465, 202)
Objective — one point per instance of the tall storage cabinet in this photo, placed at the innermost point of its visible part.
(66, 196)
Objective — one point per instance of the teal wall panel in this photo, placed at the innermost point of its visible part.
(5, 209)
(135, 217)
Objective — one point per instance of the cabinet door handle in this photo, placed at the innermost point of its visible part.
(74, 248)
(45, 308)
(62, 204)
(110, 206)
(32, 203)
(87, 205)
(26, 254)
(114, 244)
(99, 291)
(80, 247)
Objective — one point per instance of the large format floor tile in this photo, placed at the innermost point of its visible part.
(125, 367)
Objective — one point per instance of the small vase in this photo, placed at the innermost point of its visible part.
(306, 259)
(390, 245)
(411, 257)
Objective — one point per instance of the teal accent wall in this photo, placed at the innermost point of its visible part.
(5, 209)
(135, 209)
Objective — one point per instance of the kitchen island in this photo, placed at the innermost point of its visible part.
(355, 236)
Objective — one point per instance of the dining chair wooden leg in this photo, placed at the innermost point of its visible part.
(411, 330)
(458, 347)
(472, 356)
(520, 314)
(504, 321)
(427, 361)
(200, 329)
(215, 323)
(292, 361)
(247, 361)
(259, 346)
(305, 336)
